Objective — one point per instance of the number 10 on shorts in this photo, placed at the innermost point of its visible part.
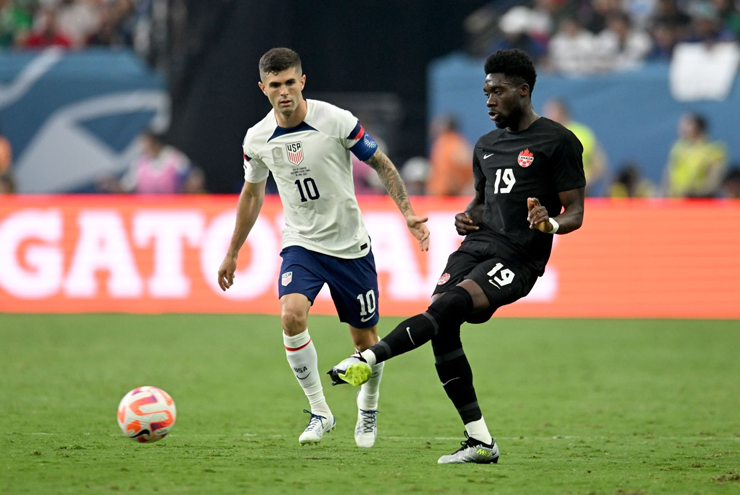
(367, 303)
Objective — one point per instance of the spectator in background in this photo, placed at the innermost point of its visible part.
(7, 184)
(594, 158)
(729, 16)
(667, 12)
(451, 160)
(639, 12)
(629, 183)
(665, 37)
(529, 29)
(620, 46)
(414, 174)
(195, 182)
(15, 23)
(706, 25)
(515, 27)
(6, 153)
(696, 165)
(593, 14)
(731, 183)
(47, 33)
(78, 19)
(158, 168)
(572, 49)
(115, 26)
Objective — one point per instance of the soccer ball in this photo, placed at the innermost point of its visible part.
(146, 414)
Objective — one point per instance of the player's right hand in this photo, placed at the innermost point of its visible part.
(226, 273)
(464, 224)
(420, 231)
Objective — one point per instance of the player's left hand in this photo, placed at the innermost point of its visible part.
(420, 231)
(538, 217)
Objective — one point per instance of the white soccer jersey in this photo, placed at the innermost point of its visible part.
(313, 172)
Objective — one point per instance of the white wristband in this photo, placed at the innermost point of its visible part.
(555, 226)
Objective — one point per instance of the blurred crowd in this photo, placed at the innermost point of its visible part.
(158, 167)
(70, 23)
(591, 36)
(576, 37)
(697, 166)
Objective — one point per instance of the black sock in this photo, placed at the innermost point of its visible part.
(445, 314)
(456, 375)
(409, 335)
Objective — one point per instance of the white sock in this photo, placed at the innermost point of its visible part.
(369, 356)
(304, 362)
(479, 431)
(367, 399)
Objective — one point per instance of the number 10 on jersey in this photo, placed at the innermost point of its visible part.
(307, 188)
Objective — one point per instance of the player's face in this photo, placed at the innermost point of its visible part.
(284, 90)
(504, 99)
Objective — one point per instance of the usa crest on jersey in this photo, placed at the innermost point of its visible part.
(295, 153)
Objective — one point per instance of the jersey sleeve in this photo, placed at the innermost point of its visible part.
(354, 137)
(568, 164)
(480, 178)
(360, 143)
(255, 169)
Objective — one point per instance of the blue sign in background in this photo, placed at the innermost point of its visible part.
(632, 113)
(102, 98)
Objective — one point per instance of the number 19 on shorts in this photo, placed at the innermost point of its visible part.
(504, 277)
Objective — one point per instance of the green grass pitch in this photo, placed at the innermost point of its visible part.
(577, 406)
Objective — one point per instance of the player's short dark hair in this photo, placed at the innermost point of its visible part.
(515, 64)
(279, 59)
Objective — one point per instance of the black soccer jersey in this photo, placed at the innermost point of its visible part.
(539, 162)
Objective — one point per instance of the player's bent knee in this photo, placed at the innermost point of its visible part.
(294, 322)
(452, 308)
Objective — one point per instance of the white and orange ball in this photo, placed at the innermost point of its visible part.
(146, 414)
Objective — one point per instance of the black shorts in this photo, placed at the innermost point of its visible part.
(502, 277)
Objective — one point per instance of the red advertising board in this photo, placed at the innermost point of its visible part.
(72, 254)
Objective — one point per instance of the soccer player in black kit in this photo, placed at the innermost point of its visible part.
(529, 185)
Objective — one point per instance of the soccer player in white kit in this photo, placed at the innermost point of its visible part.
(306, 144)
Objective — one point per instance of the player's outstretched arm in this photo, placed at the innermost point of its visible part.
(250, 204)
(396, 189)
(569, 220)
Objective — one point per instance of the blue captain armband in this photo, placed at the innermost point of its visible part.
(365, 146)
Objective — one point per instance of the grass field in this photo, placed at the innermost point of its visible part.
(577, 406)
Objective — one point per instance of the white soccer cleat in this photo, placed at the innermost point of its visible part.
(366, 430)
(472, 451)
(317, 426)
